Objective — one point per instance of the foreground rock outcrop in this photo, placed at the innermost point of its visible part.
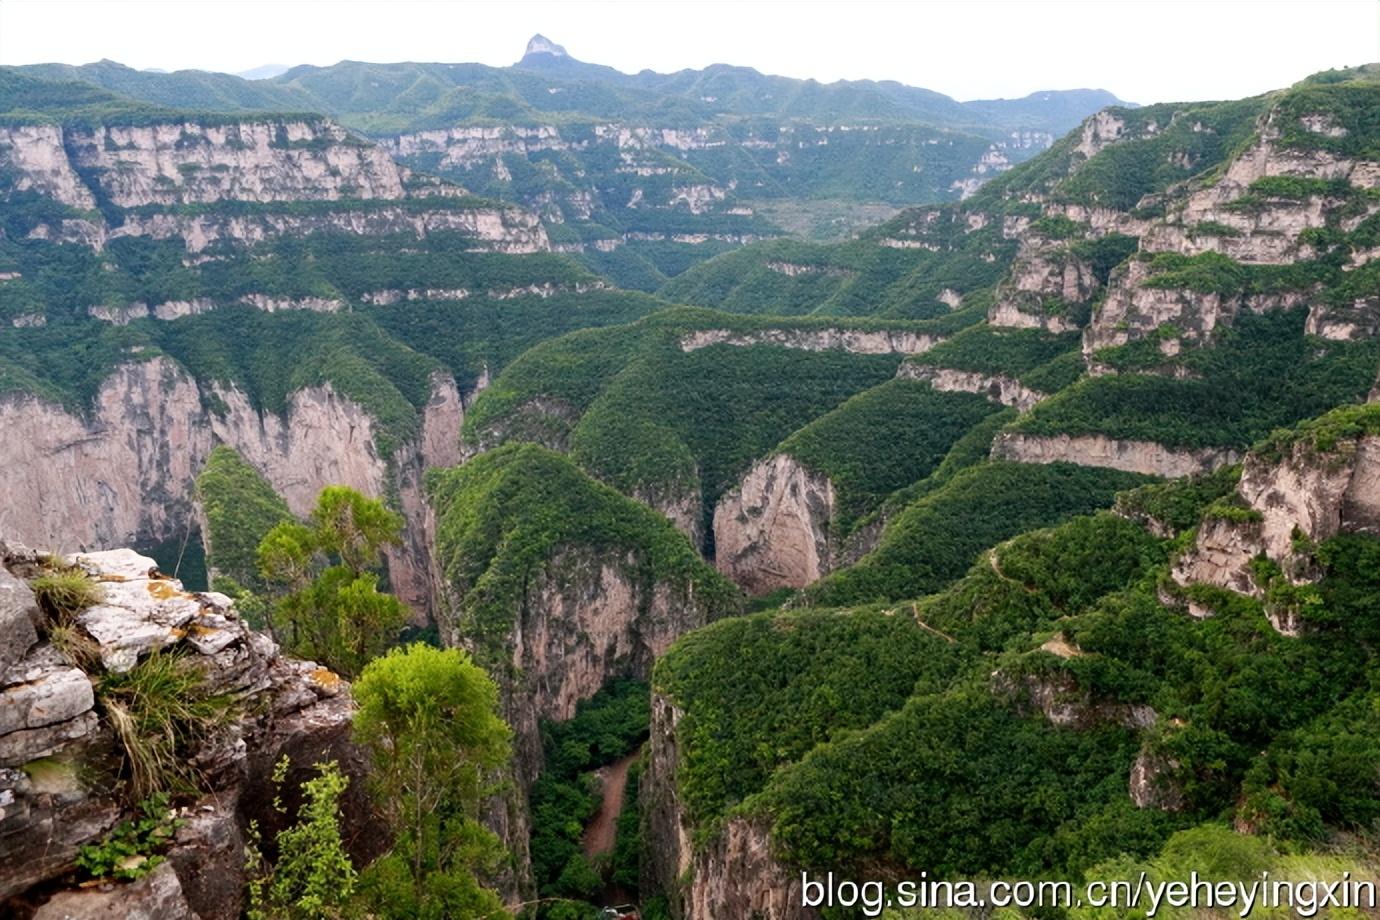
(63, 774)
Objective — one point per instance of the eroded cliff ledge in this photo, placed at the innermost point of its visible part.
(62, 770)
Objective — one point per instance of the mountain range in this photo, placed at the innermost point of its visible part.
(1031, 530)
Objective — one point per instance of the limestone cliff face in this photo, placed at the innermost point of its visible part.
(48, 709)
(1231, 215)
(176, 174)
(259, 161)
(854, 341)
(118, 476)
(1306, 493)
(1045, 282)
(495, 229)
(36, 160)
(125, 472)
(682, 503)
(772, 531)
(1132, 311)
(999, 388)
(1358, 320)
(1144, 457)
(585, 619)
(734, 876)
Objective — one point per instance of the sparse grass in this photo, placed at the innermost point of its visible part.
(63, 594)
(80, 650)
(160, 711)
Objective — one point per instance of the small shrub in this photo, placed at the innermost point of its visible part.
(131, 850)
(313, 876)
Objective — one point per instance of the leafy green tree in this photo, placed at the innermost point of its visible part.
(331, 609)
(313, 876)
(429, 717)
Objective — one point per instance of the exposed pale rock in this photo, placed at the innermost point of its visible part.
(495, 229)
(795, 269)
(854, 341)
(736, 877)
(1361, 320)
(772, 531)
(731, 877)
(118, 315)
(1065, 704)
(20, 747)
(56, 694)
(264, 161)
(174, 309)
(18, 617)
(699, 198)
(1099, 132)
(1132, 310)
(1151, 782)
(950, 298)
(280, 304)
(35, 157)
(123, 473)
(584, 620)
(53, 807)
(1314, 494)
(999, 388)
(141, 613)
(1145, 457)
(682, 504)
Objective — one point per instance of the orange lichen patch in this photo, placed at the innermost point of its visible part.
(111, 577)
(164, 591)
(177, 634)
(1061, 647)
(196, 629)
(325, 678)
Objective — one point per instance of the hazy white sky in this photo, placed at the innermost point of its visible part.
(1142, 50)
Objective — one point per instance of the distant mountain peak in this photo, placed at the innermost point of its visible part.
(540, 44)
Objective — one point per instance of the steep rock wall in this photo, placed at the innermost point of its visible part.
(36, 160)
(195, 163)
(172, 176)
(731, 877)
(772, 531)
(854, 341)
(1145, 457)
(125, 473)
(1132, 310)
(585, 619)
(1306, 493)
(1043, 275)
(999, 388)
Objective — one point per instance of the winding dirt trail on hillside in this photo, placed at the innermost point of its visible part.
(599, 833)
